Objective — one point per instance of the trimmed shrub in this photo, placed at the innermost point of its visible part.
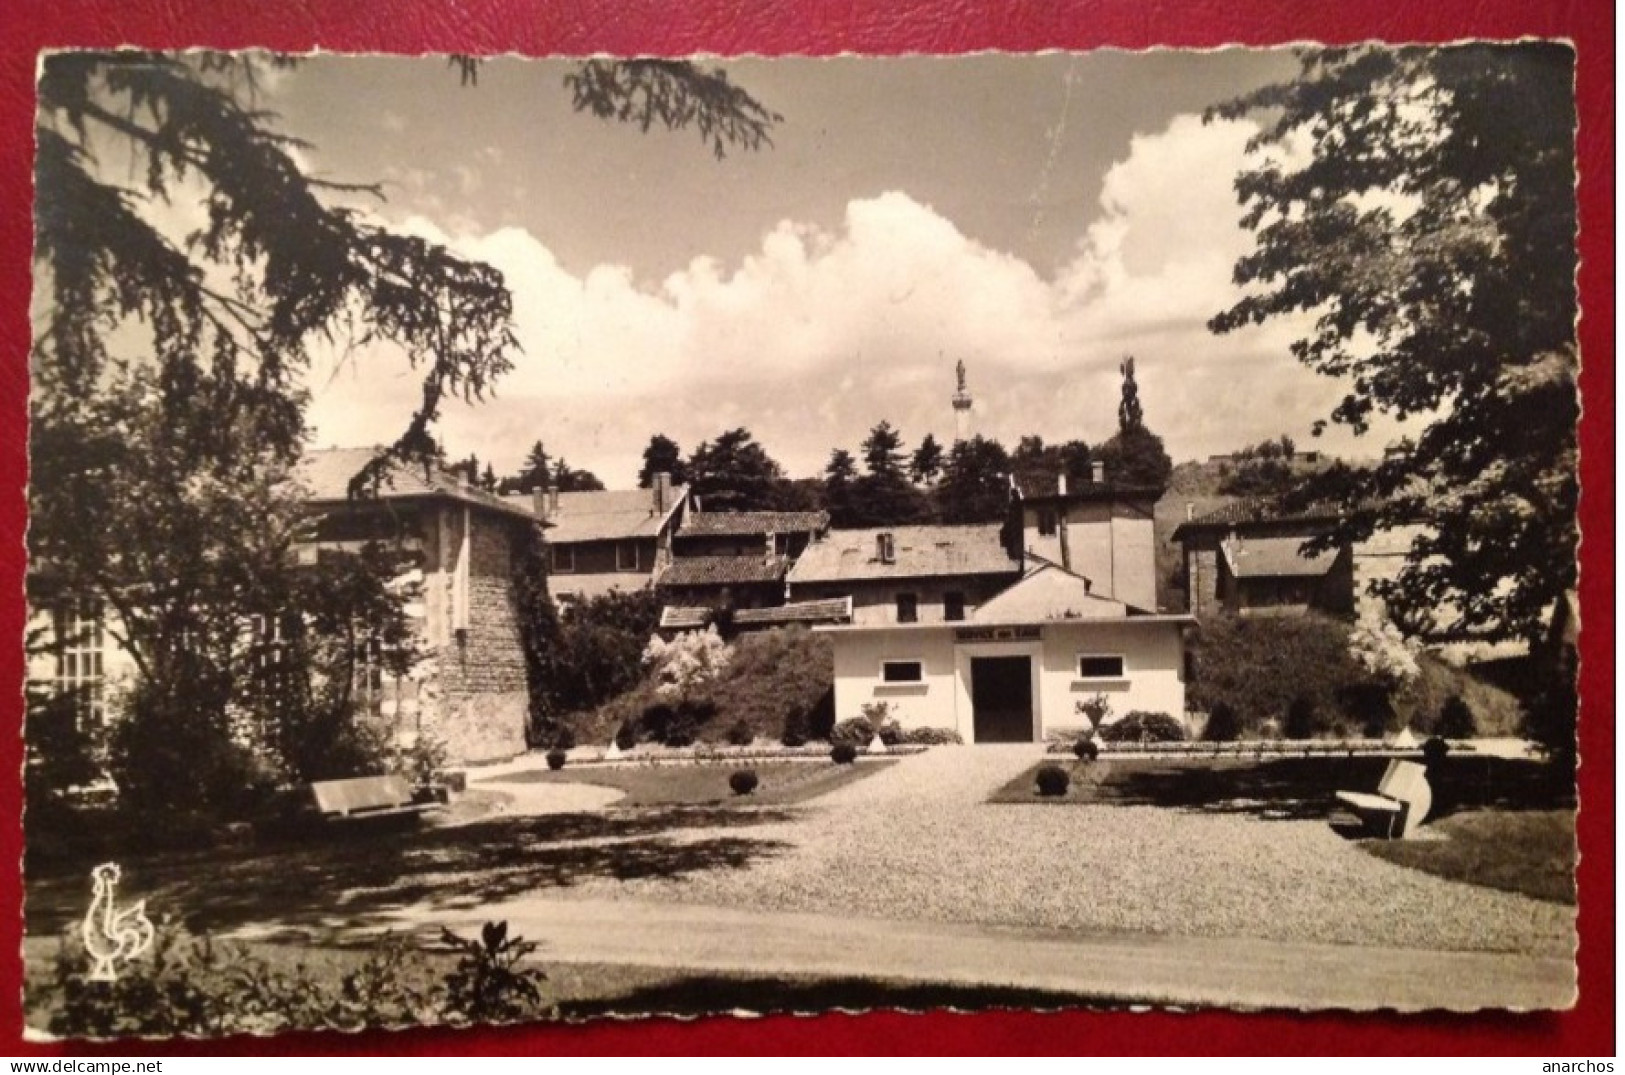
(1456, 719)
(931, 736)
(843, 754)
(682, 731)
(740, 734)
(1086, 749)
(656, 719)
(793, 736)
(1144, 727)
(1301, 719)
(891, 733)
(1223, 724)
(743, 781)
(1053, 780)
(855, 731)
(556, 759)
(1434, 752)
(626, 736)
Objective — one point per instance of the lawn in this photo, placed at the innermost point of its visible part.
(783, 783)
(1500, 823)
(1531, 852)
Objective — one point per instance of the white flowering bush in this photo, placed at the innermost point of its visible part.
(687, 662)
(1383, 650)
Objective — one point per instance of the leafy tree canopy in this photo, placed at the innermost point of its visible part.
(662, 456)
(1425, 217)
(927, 461)
(735, 473)
(975, 486)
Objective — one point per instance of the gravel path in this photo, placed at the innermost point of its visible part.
(918, 841)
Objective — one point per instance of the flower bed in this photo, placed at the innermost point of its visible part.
(1257, 748)
(706, 753)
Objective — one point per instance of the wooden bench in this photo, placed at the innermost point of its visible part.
(367, 797)
(1401, 802)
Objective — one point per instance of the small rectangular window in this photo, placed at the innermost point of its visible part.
(564, 558)
(885, 548)
(902, 671)
(1046, 521)
(1094, 666)
(908, 608)
(953, 605)
(626, 556)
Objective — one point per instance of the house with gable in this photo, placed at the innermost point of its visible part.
(468, 688)
(1247, 558)
(609, 541)
(998, 632)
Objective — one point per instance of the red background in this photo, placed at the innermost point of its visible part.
(817, 27)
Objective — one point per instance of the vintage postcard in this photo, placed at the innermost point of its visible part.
(520, 540)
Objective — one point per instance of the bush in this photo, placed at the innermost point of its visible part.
(931, 736)
(424, 762)
(656, 719)
(626, 736)
(201, 987)
(792, 735)
(856, 731)
(843, 754)
(891, 733)
(1223, 724)
(1302, 716)
(775, 677)
(1143, 727)
(1237, 661)
(1434, 751)
(740, 734)
(743, 782)
(1087, 749)
(1455, 719)
(1053, 780)
(556, 759)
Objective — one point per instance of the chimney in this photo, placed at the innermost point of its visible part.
(538, 502)
(1060, 484)
(553, 501)
(1097, 471)
(662, 491)
(1190, 510)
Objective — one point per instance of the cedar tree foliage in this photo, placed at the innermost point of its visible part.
(1419, 204)
(167, 409)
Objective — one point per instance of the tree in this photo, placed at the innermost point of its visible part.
(734, 473)
(1135, 455)
(662, 456)
(884, 496)
(975, 486)
(839, 477)
(535, 473)
(927, 461)
(168, 408)
(1427, 222)
(569, 480)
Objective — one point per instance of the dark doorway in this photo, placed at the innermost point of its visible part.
(1001, 692)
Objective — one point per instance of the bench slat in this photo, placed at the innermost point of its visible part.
(1361, 800)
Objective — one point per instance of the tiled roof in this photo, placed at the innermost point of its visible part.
(744, 523)
(828, 610)
(326, 474)
(692, 617)
(1255, 510)
(723, 570)
(1264, 557)
(920, 552)
(606, 515)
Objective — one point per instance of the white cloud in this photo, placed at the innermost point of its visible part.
(820, 334)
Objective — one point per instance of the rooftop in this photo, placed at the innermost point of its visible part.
(918, 552)
(723, 570)
(606, 514)
(1255, 510)
(746, 523)
(326, 475)
(1268, 557)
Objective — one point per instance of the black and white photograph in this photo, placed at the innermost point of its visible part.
(522, 540)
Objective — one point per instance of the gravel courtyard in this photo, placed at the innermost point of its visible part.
(918, 841)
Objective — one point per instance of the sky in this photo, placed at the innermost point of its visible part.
(1038, 217)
